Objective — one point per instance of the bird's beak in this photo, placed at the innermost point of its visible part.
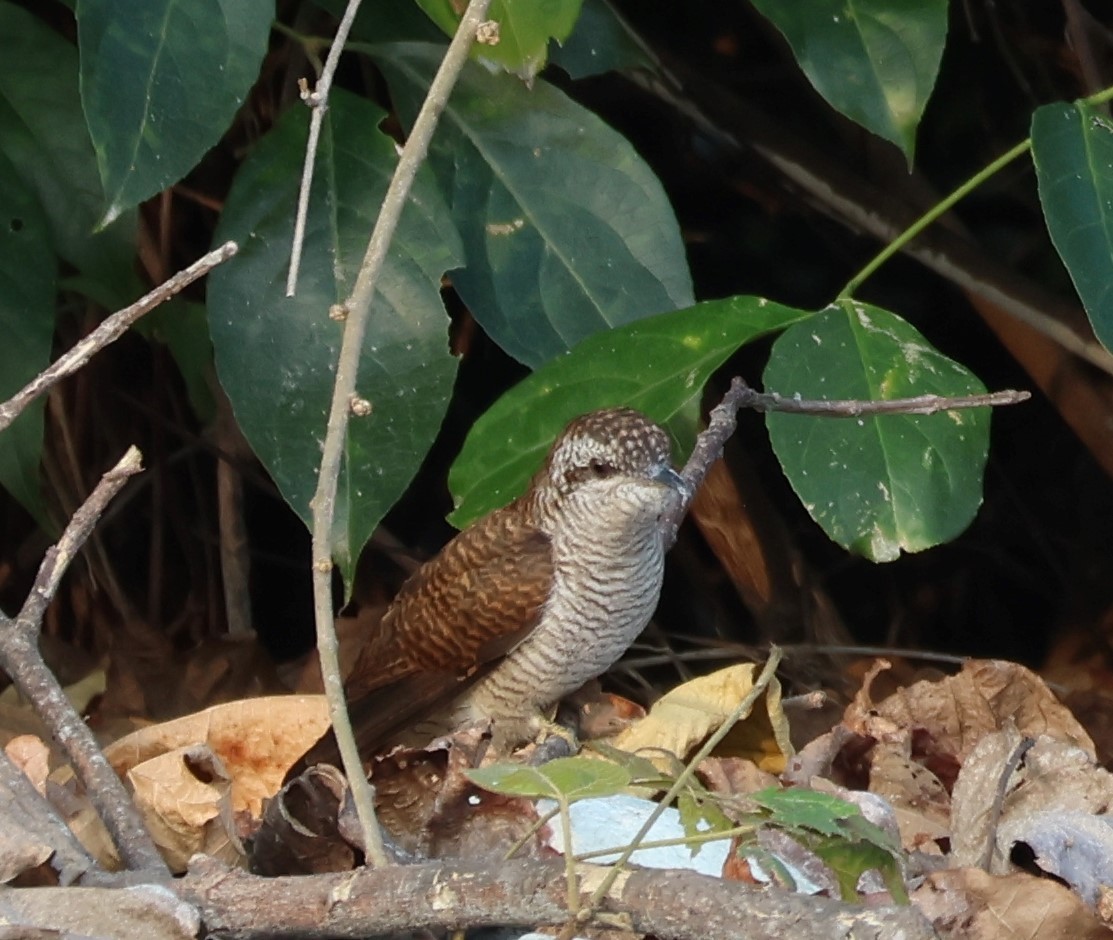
(667, 475)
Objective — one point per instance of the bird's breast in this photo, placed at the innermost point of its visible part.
(607, 580)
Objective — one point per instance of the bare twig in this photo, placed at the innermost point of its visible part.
(856, 408)
(358, 307)
(109, 331)
(21, 660)
(318, 102)
(723, 420)
(741, 711)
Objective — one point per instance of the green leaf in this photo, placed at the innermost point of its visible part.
(386, 21)
(1072, 146)
(601, 42)
(28, 271)
(797, 808)
(160, 83)
(875, 61)
(642, 770)
(525, 28)
(699, 815)
(567, 231)
(183, 327)
(658, 365)
(849, 859)
(568, 778)
(276, 356)
(43, 134)
(879, 484)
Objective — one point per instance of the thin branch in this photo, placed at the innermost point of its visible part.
(318, 102)
(723, 420)
(357, 310)
(856, 408)
(21, 660)
(109, 331)
(1023, 746)
(743, 708)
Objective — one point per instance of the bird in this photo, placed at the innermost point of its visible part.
(532, 601)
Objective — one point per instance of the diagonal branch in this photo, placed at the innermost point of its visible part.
(724, 419)
(21, 660)
(109, 331)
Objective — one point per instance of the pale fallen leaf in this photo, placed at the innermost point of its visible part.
(968, 904)
(20, 849)
(1074, 847)
(32, 756)
(256, 740)
(685, 716)
(919, 800)
(184, 796)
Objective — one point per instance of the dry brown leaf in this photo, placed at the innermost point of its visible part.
(968, 904)
(20, 850)
(1054, 777)
(184, 796)
(958, 711)
(32, 756)
(919, 800)
(684, 717)
(299, 833)
(256, 740)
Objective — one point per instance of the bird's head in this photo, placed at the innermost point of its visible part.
(614, 450)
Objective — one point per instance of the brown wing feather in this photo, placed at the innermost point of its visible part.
(450, 624)
(464, 608)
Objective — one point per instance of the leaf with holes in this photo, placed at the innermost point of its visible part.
(276, 356)
(877, 484)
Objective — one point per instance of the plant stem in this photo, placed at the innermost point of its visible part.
(358, 308)
(945, 205)
(932, 214)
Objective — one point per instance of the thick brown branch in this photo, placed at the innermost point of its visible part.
(524, 893)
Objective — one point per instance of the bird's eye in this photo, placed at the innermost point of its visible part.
(601, 469)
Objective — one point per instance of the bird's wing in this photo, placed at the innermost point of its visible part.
(453, 620)
(462, 610)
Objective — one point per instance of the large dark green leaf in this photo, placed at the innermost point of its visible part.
(1072, 146)
(658, 365)
(160, 83)
(276, 356)
(42, 132)
(601, 42)
(525, 28)
(27, 287)
(876, 61)
(566, 230)
(881, 484)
